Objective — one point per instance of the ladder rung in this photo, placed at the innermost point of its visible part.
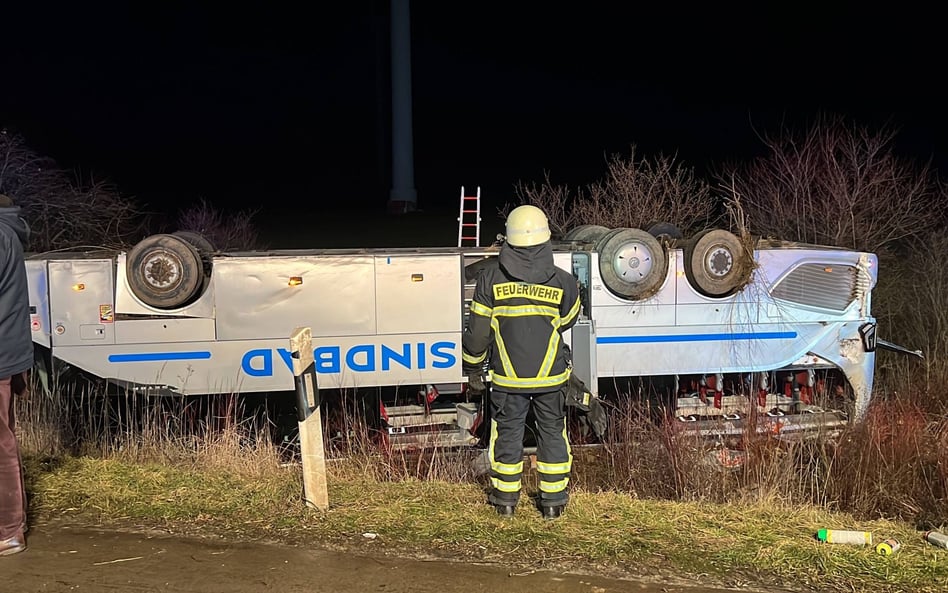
(468, 224)
(470, 197)
(469, 211)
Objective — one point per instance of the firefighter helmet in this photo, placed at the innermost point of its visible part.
(527, 226)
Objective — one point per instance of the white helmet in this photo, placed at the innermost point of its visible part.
(527, 226)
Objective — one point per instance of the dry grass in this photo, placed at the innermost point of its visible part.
(735, 544)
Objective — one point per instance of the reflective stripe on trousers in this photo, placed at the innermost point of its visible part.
(554, 459)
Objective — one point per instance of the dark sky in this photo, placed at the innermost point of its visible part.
(272, 103)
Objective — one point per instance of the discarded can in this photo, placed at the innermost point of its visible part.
(837, 536)
(888, 547)
(937, 539)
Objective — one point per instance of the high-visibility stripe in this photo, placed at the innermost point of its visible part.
(504, 486)
(502, 349)
(530, 382)
(480, 309)
(553, 487)
(552, 349)
(569, 450)
(507, 469)
(572, 313)
(470, 358)
(525, 311)
(493, 439)
(554, 468)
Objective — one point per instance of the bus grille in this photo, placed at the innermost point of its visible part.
(829, 286)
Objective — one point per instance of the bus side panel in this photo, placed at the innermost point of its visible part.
(265, 365)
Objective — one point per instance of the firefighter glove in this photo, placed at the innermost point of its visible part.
(475, 382)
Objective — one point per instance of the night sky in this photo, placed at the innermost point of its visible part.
(261, 106)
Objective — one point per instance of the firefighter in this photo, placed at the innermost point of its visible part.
(521, 306)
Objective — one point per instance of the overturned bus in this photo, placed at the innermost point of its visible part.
(727, 328)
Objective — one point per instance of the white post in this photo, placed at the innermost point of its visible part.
(315, 488)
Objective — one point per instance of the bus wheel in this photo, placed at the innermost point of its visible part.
(632, 263)
(164, 271)
(717, 263)
(665, 232)
(586, 233)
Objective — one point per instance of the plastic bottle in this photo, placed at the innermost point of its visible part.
(937, 539)
(837, 536)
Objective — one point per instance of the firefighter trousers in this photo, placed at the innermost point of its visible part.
(554, 459)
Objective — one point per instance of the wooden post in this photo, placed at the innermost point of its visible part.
(315, 488)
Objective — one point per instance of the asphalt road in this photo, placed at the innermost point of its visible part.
(61, 559)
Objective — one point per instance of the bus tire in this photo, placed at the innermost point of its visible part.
(716, 263)
(164, 271)
(632, 263)
(586, 233)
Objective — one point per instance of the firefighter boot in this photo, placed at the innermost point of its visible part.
(553, 512)
(505, 510)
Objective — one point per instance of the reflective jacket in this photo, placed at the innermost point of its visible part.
(520, 308)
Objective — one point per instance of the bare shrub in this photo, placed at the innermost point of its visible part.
(233, 231)
(634, 193)
(835, 184)
(65, 210)
(894, 464)
(917, 286)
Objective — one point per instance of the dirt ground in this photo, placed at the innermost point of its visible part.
(62, 558)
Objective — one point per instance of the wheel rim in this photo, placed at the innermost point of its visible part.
(633, 262)
(719, 261)
(162, 271)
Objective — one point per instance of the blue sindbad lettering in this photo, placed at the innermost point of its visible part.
(264, 369)
(421, 355)
(389, 354)
(327, 359)
(361, 358)
(368, 351)
(443, 355)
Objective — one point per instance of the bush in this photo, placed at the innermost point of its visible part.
(64, 210)
(634, 193)
(836, 184)
(225, 231)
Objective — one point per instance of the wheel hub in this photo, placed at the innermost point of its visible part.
(633, 262)
(720, 261)
(162, 271)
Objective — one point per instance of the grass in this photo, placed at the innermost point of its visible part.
(767, 543)
(647, 504)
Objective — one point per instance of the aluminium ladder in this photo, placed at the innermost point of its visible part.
(469, 221)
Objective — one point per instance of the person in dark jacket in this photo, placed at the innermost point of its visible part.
(16, 359)
(521, 307)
